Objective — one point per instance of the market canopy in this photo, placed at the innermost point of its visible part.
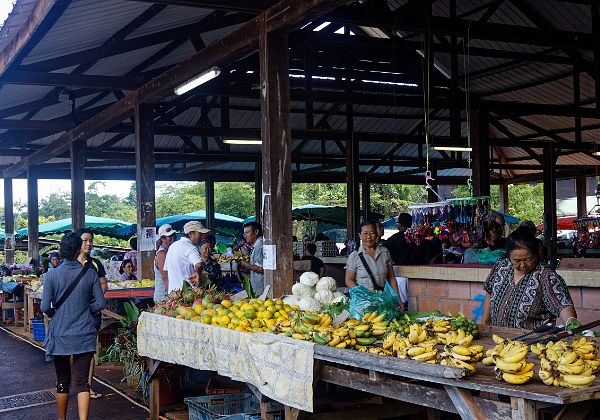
(225, 224)
(98, 225)
(334, 215)
(562, 223)
(511, 220)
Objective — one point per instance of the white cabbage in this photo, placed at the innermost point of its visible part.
(327, 283)
(301, 290)
(309, 304)
(325, 297)
(291, 300)
(309, 278)
(339, 297)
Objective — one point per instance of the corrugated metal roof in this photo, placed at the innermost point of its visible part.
(15, 21)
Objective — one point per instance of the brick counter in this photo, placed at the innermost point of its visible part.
(454, 288)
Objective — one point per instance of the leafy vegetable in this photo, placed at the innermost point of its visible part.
(337, 308)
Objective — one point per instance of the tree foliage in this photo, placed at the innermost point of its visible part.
(235, 199)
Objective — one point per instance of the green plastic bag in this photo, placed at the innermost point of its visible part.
(491, 257)
(363, 301)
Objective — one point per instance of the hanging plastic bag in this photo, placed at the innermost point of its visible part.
(363, 301)
(491, 257)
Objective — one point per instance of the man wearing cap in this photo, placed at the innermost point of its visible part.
(183, 257)
(166, 236)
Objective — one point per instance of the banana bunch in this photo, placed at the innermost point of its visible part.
(423, 351)
(455, 338)
(511, 361)
(562, 364)
(417, 334)
(342, 338)
(437, 326)
(463, 357)
(374, 350)
(400, 326)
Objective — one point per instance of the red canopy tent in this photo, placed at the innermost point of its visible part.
(562, 223)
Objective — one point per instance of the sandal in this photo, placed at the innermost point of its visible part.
(95, 395)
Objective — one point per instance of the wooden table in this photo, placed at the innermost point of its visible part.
(427, 386)
(435, 388)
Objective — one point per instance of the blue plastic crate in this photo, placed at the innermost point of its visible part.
(38, 328)
(212, 407)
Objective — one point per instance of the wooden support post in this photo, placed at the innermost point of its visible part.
(258, 190)
(154, 393)
(209, 191)
(78, 184)
(352, 183)
(523, 409)
(455, 123)
(33, 231)
(366, 199)
(595, 9)
(581, 192)
(144, 183)
(577, 101)
(465, 405)
(9, 220)
(549, 162)
(481, 152)
(276, 158)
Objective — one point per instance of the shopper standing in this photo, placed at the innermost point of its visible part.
(71, 331)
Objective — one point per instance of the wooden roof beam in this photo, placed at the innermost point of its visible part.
(248, 6)
(285, 15)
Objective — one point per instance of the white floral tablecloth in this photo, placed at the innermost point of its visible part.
(280, 367)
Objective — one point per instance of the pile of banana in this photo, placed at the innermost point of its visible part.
(459, 352)
(510, 361)
(570, 366)
(417, 346)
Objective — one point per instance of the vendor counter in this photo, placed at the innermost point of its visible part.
(459, 288)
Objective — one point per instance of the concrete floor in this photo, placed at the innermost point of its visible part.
(23, 369)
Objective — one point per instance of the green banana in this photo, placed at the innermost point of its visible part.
(320, 339)
(365, 341)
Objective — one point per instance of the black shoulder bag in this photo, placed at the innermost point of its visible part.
(364, 261)
(55, 305)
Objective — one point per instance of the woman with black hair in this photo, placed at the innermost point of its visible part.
(521, 292)
(71, 331)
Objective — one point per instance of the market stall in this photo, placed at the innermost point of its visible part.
(426, 360)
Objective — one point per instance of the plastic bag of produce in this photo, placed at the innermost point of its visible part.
(363, 301)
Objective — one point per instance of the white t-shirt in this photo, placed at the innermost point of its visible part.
(180, 262)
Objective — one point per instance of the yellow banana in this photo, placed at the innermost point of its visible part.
(579, 380)
(499, 340)
(488, 361)
(527, 368)
(462, 350)
(372, 316)
(426, 356)
(545, 374)
(422, 336)
(466, 340)
(298, 336)
(378, 318)
(567, 358)
(415, 351)
(341, 345)
(517, 379)
(363, 327)
(335, 341)
(547, 364)
(551, 354)
(571, 369)
(509, 367)
(378, 333)
(516, 356)
(326, 321)
(464, 365)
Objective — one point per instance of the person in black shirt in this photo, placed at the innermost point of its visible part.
(316, 264)
(402, 251)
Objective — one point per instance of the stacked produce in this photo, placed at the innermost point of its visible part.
(510, 360)
(419, 345)
(459, 352)
(571, 366)
(312, 293)
(237, 256)
(129, 284)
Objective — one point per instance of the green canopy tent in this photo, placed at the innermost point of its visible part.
(98, 225)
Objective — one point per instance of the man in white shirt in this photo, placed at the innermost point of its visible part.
(183, 257)
(253, 235)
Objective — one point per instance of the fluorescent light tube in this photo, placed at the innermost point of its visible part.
(596, 153)
(198, 80)
(452, 148)
(242, 141)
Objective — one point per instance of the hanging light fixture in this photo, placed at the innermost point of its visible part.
(242, 141)
(453, 148)
(198, 80)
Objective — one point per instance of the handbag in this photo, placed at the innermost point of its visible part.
(368, 268)
(55, 305)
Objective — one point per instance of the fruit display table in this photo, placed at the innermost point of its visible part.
(30, 298)
(431, 386)
(131, 293)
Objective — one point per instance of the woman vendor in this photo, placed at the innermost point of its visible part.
(209, 264)
(521, 292)
(371, 265)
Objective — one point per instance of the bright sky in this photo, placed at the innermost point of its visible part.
(5, 8)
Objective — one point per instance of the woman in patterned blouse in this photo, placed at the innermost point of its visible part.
(209, 264)
(521, 292)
